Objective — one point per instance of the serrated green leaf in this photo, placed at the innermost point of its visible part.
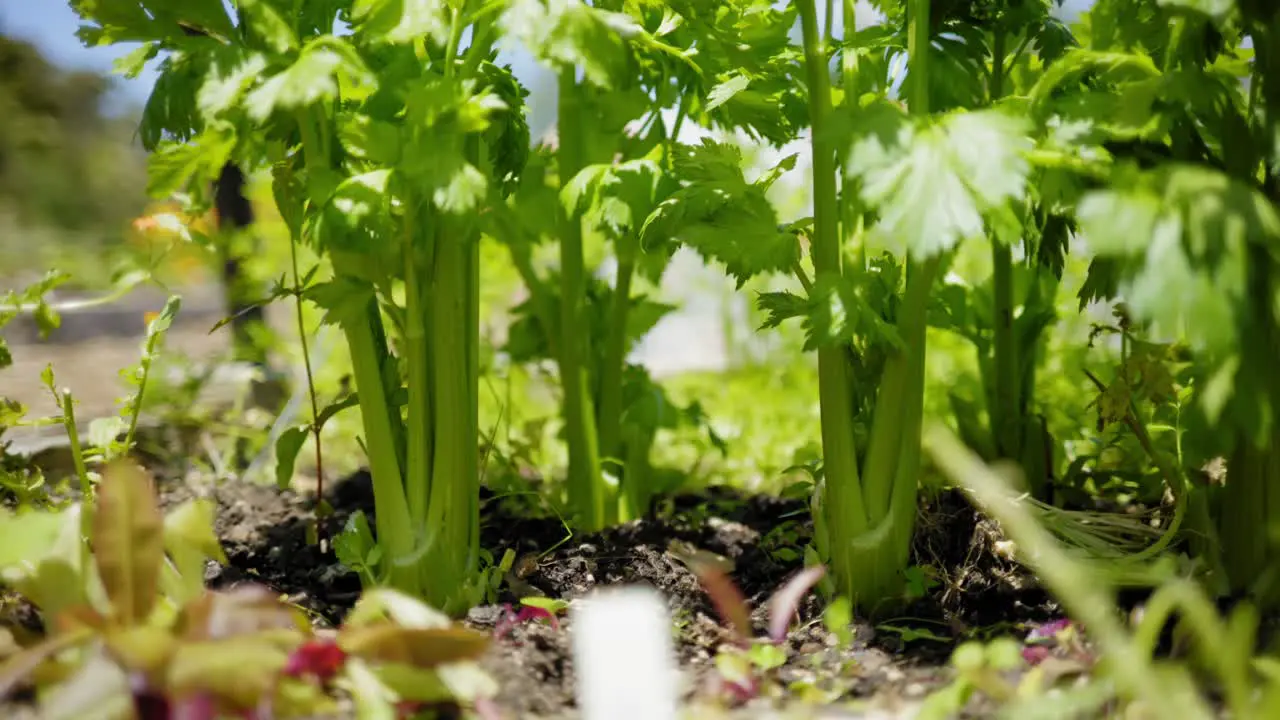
(342, 299)
(463, 192)
(230, 77)
(572, 34)
(134, 62)
(1119, 222)
(263, 21)
(932, 184)
(313, 77)
(726, 89)
(1186, 227)
(105, 430)
(176, 164)
(579, 191)
(720, 215)
(401, 21)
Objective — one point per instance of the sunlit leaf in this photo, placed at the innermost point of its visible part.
(420, 647)
(960, 168)
(269, 25)
(572, 34)
(400, 21)
(176, 164)
(128, 541)
(313, 77)
(239, 670)
(288, 445)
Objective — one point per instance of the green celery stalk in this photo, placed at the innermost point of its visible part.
(586, 486)
(395, 532)
(367, 344)
(841, 500)
(609, 415)
(453, 473)
(868, 519)
(419, 415)
(1006, 391)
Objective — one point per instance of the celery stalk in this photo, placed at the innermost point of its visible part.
(586, 487)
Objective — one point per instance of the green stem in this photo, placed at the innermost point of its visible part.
(419, 416)
(155, 334)
(682, 110)
(322, 534)
(896, 426)
(477, 151)
(456, 26)
(391, 510)
(888, 427)
(77, 452)
(367, 346)
(1251, 495)
(454, 469)
(586, 487)
(1017, 53)
(877, 553)
(609, 418)
(636, 486)
(839, 499)
(1006, 385)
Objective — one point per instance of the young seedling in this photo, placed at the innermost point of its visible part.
(531, 609)
(747, 663)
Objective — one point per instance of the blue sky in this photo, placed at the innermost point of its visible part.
(51, 25)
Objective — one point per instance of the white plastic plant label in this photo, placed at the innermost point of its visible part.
(623, 654)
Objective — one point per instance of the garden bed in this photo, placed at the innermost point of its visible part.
(885, 669)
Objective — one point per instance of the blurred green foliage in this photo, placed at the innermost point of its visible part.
(71, 176)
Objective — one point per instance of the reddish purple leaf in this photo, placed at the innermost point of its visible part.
(728, 600)
(319, 658)
(1035, 654)
(529, 613)
(510, 618)
(786, 601)
(1049, 630)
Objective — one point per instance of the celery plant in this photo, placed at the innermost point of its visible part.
(385, 145)
(1013, 42)
(618, 170)
(896, 166)
(1185, 223)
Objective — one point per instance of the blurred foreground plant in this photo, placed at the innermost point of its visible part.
(1224, 647)
(134, 633)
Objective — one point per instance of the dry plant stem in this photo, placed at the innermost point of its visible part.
(1177, 485)
(322, 533)
(1087, 597)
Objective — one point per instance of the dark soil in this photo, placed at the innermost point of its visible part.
(264, 533)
